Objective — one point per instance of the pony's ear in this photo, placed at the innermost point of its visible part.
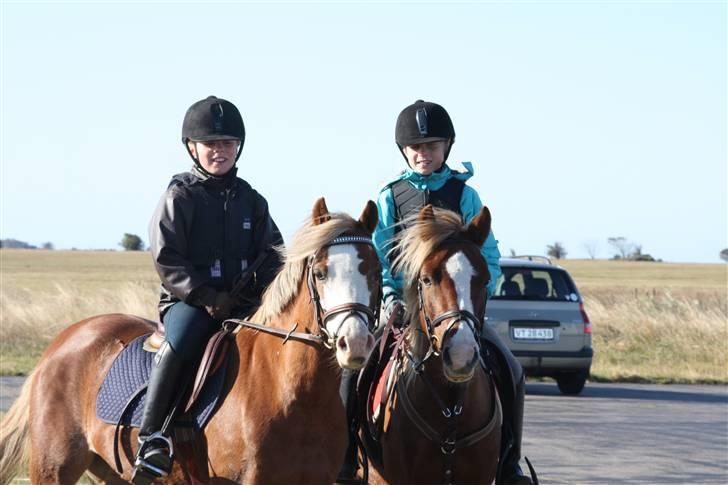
(426, 213)
(479, 227)
(320, 212)
(369, 217)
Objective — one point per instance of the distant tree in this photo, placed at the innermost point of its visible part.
(48, 245)
(592, 248)
(131, 242)
(623, 247)
(724, 255)
(556, 250)
(15, 244)
(513, 253)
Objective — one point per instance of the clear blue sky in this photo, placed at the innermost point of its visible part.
(584, 120)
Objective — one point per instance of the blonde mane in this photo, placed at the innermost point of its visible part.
(414, 245)
(309, 239)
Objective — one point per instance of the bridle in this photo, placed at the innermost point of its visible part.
(321, 315)
(456, 316)
(354, 309)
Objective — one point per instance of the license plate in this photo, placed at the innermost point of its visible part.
(533, 333)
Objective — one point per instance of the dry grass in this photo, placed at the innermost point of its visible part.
(656, 322)
(42, 292)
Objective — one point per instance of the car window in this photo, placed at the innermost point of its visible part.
(520, 283)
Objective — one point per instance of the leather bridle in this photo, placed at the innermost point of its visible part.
(456, 316)
(321, 315)
(354, 309)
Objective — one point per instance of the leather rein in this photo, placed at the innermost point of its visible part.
(324, 337)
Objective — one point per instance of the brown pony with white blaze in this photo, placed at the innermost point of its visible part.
(280, 419)
(442, 424)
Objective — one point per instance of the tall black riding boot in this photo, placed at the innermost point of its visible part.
(347, 391)
(155, 454)
(511, 473)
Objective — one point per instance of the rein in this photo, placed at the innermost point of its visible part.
(321, 316)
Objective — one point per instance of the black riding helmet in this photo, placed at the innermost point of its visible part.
(423, 122)
(213, 119)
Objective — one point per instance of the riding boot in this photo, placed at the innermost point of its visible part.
(155, 454)
(347, 392)
(511, 473)
(511, 385)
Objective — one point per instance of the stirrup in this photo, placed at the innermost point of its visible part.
(146, 468)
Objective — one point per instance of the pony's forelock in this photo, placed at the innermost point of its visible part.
(414, 245)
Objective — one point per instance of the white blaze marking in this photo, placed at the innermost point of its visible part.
(461, 271)
(344, 284)
(462, 342)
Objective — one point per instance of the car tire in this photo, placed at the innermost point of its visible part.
(572, 383)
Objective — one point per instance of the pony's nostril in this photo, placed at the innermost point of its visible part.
(446, 357)
(341, 344)
(370, 342)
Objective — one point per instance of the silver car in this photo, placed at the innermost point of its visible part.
(539, 313)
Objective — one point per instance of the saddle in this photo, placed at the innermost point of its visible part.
(212, 358)
(376, 382)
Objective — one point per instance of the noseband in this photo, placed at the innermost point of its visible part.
(351, 309)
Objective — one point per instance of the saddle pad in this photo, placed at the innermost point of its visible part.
(129, 375)
(380, 387)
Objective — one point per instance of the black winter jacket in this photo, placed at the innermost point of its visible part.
(203, 235)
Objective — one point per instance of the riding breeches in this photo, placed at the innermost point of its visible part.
(187, 329)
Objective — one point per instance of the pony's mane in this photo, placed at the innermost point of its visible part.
(414, 245)
(307, 240)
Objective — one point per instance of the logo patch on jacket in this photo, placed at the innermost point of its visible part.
(216, 269)
(246, 224)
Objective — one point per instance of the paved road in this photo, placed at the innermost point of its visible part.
(628, 433)
(611, 433)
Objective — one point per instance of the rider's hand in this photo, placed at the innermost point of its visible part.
(222, 308)
(393, 306)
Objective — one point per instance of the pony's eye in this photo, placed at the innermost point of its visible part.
(426, 280)
(319, 275)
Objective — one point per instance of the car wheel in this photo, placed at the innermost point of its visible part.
(572, 382)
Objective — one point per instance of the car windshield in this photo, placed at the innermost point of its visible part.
(521, 283)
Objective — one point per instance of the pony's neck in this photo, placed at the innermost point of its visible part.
(312, 363)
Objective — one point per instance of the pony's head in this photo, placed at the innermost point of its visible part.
(333, 260)
(445, 284)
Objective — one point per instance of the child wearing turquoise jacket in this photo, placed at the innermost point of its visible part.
(424, 134)
(469, 206)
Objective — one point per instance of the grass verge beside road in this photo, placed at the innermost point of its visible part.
(652, 322)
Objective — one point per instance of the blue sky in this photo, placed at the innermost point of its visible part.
(584, 120)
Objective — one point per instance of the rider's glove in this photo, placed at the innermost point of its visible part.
(393, 306)
(222, 307)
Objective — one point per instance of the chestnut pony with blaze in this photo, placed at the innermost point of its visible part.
(442, 423)
(280, 419)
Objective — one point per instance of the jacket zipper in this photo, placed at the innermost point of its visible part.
(224, 235)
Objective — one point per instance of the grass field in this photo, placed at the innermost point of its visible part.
(653, 322)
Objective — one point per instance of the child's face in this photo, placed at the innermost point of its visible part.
(425, 158)
(215, 156)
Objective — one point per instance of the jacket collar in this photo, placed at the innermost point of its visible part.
(224, 182)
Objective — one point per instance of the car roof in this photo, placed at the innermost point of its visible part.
(529, 263)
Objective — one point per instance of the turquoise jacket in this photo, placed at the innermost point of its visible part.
(470, 206)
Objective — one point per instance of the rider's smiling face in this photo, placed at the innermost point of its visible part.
(426, 158)
(216, 156)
